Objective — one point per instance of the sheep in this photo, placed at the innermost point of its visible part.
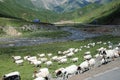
(74, 59)
(76, 50)
(109, 54)
(104, 43)
(63, 61)
(84, 66)
(87, 57)
(37, 63)
(31, 59)
(87, 53)
(49, 55)
(110, 47)
(59, 52)
(19, 62)
(91, 62)
(58, 72)
(43, 59)
(26, 57)
(99, 42)
(44, 73)
(11, 75)
(16, 58)
(54, 58)
(70, 70)
(39, 78)
(70, 54)
(98, 55)
(49, 63)
(41, 55)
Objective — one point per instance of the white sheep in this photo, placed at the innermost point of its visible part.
(70, 70)
(39, 78)
(19, 62)
(16, 57)
(26, 57)
(91, 62)
(58, 72)
(87, 53)
(84, 66)
(41, 55)
(70, 54)
(87, 57)
(43, 59)
(99, 42)
(54, 58)
(12, 74)
(74, 59)
(59, 52)
(31, 59)
(49, 63)
(63, 61)
(37, 63)
(44, 73)
(49, 55)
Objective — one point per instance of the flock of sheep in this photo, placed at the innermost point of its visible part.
(103, 56)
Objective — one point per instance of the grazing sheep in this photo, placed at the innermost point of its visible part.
(44, 73)
(70, 70)
(43, 59)
(19, 62)
(59, 52)
(58, 72)
(99, 42)
(84, 66)
(49, 63)
(37, 63)
(87, 57)
(87, 53)
(49, 55)
(12, 76)
(39, 78)
(70, 54)
(63, 61)
(74, 59)
(109, 54)
(26, 57)
(41, 55)
(54, 58)
(31, 59)
(91, 62)
(16, 58)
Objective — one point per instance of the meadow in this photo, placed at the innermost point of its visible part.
(26, 71)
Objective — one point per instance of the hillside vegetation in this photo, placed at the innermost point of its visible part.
(103, 14)
(25, 10)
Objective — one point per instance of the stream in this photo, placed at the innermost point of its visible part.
(75, 36)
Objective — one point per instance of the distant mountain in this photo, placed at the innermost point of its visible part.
(65, 5)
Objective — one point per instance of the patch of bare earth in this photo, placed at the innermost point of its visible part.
(105, 29)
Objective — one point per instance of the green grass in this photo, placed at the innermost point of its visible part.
(46, 33)
(26, 71)
(103, 13)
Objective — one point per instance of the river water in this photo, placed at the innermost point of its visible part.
(75, 35)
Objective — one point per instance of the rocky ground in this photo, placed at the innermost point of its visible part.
(103, 29)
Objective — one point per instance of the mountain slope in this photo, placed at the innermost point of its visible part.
(25, 11)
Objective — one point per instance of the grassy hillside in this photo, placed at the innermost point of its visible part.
(102, 14)
(10, 8)
(26, 70)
